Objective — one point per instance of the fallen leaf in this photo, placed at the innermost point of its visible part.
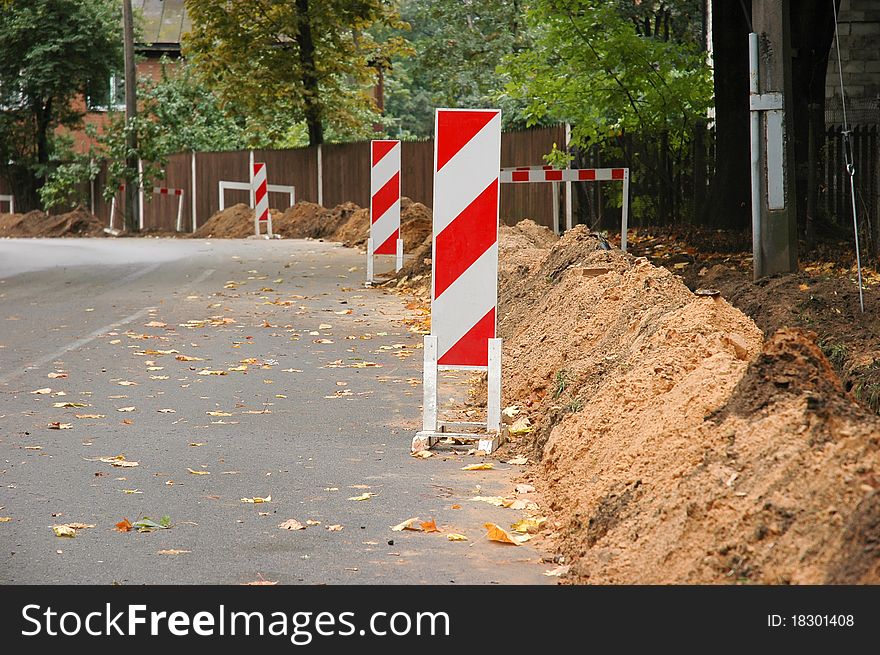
(55, 376)
(198, 443)
(147, 524)
(261, 582)
(5, 519)
(529, 525)
(125, 409)
(456, 506)
(198, 472)
(407, 525)
(524, 489)
(60, 426)
(63, 531)
(485, 466)
(123, 526)
(423, 454)
(218, 413)
(364, 496)
(174, 551)
(167, 411)
(452, 536)
(429, 526)
(132, 491)
(42, 391)
(155, 324)
(208, 372)
(257, 499)
(521, 426)
(498, 501)
(124, 464)
(76, 526)
(335, 528)
(187, 358)
(325, 326)
(291, 524)
(68, 404)
(90, 416)
(127, 383)
(33, 448)
(495, 533)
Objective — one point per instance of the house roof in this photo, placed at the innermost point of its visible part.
(163, 24)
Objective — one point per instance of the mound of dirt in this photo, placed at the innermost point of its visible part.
(674, 445)
(78, 223)
(234, 222)
(415, 225)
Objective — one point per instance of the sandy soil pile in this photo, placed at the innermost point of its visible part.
(675, 445)
(234, 222)
(415, 225)
(78, 223)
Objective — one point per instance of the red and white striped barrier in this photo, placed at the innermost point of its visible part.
(518, 174)
(11, 200)
(261, 200)
(170, 191)
(225, 185)
(384, 204)
(467, 160)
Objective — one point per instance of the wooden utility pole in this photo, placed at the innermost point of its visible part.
(131, 162)
(774, 203)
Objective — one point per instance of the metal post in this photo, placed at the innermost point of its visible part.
(624, 211)
(140, 188)
(755, 136)
(493, 397)
(398, 264)
(195, 222)
(429, 385)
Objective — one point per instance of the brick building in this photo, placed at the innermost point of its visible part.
(859, 29)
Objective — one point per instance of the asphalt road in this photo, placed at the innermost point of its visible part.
(297, 416)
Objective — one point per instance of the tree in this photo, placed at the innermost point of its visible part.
(612, 70)
(50, 51)
(458, 45)
(282, 63)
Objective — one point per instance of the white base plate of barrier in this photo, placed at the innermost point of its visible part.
(486, 441)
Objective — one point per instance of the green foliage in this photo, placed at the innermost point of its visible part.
(50, 51)
(256, 55)
(591, 67)
(458, 45)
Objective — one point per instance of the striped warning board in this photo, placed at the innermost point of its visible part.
(549, 174)
(261, 199)
(467, 160)
(385, 196)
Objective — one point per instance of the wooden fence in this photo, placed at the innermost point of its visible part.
(345, 176)
(835, 199)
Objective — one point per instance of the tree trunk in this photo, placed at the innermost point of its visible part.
(312, 98)
(728, 204)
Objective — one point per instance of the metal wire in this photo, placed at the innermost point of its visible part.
(847, 150)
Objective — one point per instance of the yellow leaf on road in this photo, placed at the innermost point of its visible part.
(90, 416)
(125, 409)
(495, 533)
(453, 536)
(208, 372)
(69, 404)
(364, 496)
(187, 358)
(498, 501)
(485, 466)
(55, 376)
(527, 525)
(257, 499)
(198, 472)
(174, 551)
(55, 425)
(42, 391)
(218, 413)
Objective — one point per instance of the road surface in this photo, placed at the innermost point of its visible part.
(136, 331)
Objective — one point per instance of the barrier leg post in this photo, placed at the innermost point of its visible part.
(624, 210)
(399, 261)
(369, 262)
(493, 400)
(269, 225)
(180, 213)
(424, 439)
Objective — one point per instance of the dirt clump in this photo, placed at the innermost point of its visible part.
(77, 223)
